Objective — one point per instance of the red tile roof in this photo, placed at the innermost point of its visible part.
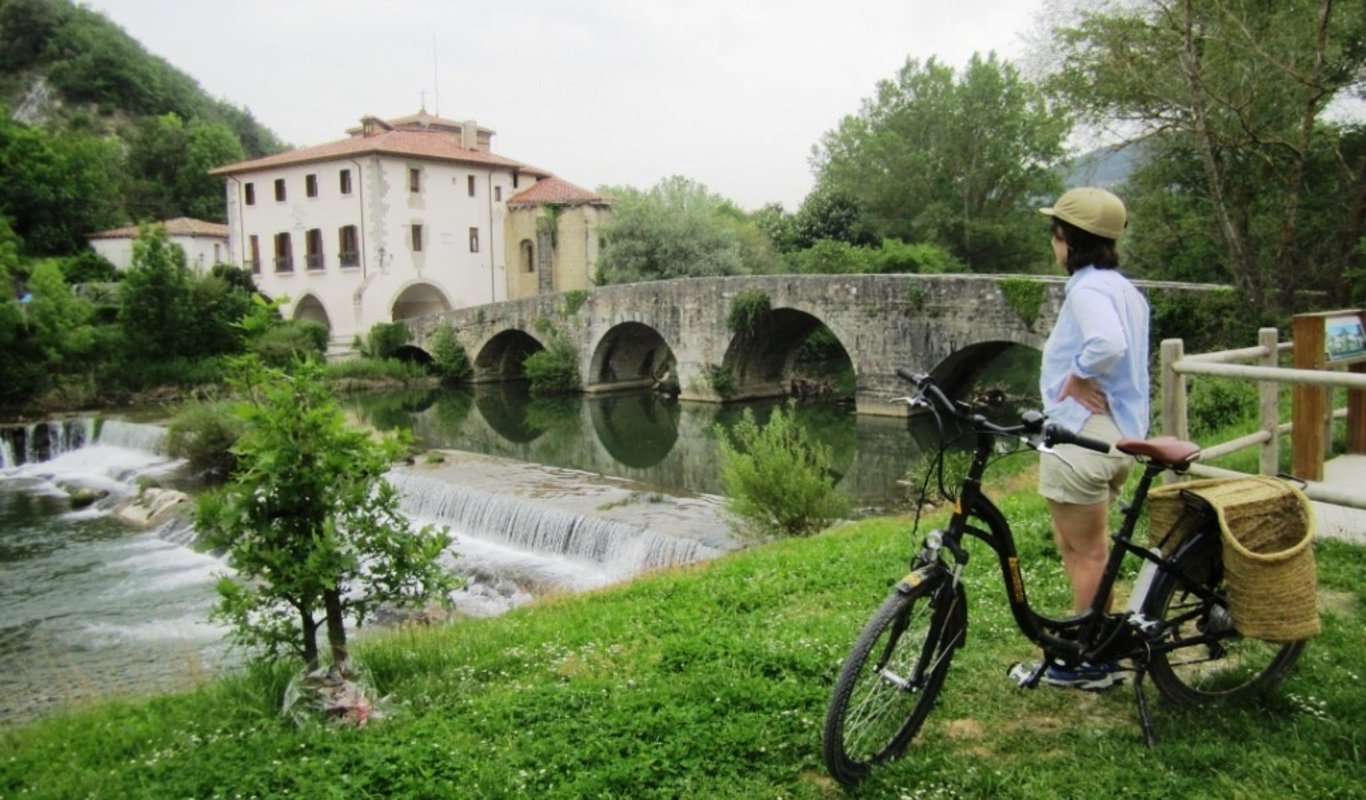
(180, 226)
(434, 145)
(557, 191)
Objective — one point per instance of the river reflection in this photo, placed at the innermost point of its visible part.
(641, 436)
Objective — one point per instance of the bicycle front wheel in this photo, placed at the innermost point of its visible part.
(1201, 656)
(892, 675)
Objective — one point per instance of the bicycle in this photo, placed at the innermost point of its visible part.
(1176, 627)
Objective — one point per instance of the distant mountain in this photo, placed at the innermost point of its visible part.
(1105, 167)
(65, 66)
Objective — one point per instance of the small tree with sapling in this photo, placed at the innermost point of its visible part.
(312, 529)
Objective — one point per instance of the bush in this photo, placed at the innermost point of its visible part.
(553, 370)
(449, 358)
(747, 311)
(204, 434)
(1214, 405)
(386, 338)
(291, 341)
(777, 479)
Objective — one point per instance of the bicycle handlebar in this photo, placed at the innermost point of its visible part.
(1031, 424)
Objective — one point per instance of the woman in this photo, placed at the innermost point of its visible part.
(1094, 381)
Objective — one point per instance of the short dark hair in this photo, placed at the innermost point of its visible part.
(1085, 249)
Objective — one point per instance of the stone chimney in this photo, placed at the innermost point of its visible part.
(469, 135)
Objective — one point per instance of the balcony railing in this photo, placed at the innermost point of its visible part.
(284, 264)
(350, 258)
(315, 261)
(255, 264)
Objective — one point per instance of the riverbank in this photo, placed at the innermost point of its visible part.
(711, 681)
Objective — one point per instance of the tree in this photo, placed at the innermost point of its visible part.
(169, 160)
(678, 229)
(155, 298)
(1233, 92)
(311, 528)
(21, 361)
(959, 160)
(831, 215)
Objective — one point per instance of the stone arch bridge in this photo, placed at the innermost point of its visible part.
(629, 336)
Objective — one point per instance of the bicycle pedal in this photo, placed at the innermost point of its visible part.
(1026, 676)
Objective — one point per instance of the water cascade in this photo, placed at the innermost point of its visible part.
(507, 533)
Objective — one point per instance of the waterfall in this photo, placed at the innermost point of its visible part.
(133, 436)
(618, 549)
(43, 441)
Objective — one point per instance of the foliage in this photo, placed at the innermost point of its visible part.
(57, 188)
(154, 298)
(678, 229)
(777, 478)
(362, 370)
(385, 338)
(170, 162)
(311, 529)
(1205, 322)
(830, 257)
(721, 379)
(1246, 181)
(204, 433)
(1025, 296)
(449, 358)
(747, 311)
(573, 301)
(955, 159)
(87, 266)
(916, 295)
(290, 341)
(829, 214)
(554, 369)
(1213, 405)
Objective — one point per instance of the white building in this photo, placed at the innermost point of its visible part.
(401, 219)
(204, 243)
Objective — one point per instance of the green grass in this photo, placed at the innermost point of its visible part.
(711, 681)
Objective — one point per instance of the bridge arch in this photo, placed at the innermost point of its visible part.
(502, 355)
(761, 360)
(963, 368)
(418, 299)
(630, 355)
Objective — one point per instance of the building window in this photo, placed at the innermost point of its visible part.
(349, 246)
(311, 185)
(280, 190)
(313, 245)
(414, 180)
(254, 254)
(474, 240)
(497, 194)
(417, 238)
(514, 180)
(344, 179)
(469, 183)
(284, 255)
(249, 189)
(528, 256)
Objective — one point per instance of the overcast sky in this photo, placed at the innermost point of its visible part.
(732, 93)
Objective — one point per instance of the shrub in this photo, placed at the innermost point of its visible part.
(722, 380)
(778, 480)
(449, 358)
(204, 434)
(1025, 296)
(291, 341)
(386, 338)
(1214, 405)
(747, 310)
(555, 369)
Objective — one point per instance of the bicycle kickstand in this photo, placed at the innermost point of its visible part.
(1145, 720)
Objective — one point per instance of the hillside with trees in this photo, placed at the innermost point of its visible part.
(96, 132)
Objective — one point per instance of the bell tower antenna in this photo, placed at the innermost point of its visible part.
(436, 81)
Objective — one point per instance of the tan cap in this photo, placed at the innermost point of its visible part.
(1093, 210)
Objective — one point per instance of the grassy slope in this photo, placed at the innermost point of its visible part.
(711, 682)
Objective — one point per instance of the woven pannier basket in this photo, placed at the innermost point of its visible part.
(1268, 550)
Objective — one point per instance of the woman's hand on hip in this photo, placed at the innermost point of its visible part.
(1087, 392)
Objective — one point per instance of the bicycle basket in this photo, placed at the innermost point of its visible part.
(1267, 529)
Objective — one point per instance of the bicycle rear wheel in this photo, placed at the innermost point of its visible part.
(892, 675)
(1203, 657)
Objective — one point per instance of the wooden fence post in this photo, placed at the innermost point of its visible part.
(1269, 394)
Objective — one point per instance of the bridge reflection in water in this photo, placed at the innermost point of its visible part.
(643, 436)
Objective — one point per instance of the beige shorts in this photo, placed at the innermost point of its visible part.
(1076, 475)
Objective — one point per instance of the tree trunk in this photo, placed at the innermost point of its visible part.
(1245, 274)
(309, 627)
(336, 632)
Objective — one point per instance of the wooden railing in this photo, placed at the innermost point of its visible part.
(1267, 372)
